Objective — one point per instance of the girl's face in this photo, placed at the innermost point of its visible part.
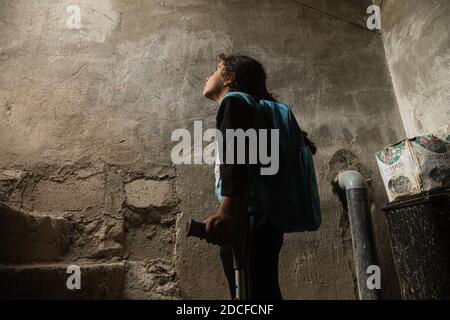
(215, 84)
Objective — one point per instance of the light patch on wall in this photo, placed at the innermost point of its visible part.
(97, 19)
(416, 43)
(69, 21)
(156, 65)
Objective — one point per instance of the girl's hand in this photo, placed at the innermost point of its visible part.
(220, 226)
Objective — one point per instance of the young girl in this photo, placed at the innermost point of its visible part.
(245, 74)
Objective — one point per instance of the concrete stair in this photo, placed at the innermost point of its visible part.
(26, 237)
(49, 281)
(32, 266)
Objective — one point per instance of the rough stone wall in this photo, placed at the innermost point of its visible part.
(417, 41)
(87, 117)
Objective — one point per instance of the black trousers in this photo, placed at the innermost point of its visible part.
(263, 268)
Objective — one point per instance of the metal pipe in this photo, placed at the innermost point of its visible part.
(354, 185)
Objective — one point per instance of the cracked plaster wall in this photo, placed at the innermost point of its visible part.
(417, 41)
(87, 117)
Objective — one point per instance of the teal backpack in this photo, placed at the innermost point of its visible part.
(289, 198)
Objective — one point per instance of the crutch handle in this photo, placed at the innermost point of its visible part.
(195, 229)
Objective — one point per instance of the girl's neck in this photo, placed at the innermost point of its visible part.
(219, 97)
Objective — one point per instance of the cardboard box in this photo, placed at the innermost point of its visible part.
(415, 165)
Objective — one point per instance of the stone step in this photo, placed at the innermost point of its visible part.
(50, 281)
(27, 237)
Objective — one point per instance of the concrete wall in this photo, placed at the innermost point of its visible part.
(417, 41)
(87, 117)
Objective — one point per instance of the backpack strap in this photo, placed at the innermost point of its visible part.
(250, 174)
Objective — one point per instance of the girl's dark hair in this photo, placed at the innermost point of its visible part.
(250, 78)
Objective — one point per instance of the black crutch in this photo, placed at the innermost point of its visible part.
(241, 244)
(240, 257)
